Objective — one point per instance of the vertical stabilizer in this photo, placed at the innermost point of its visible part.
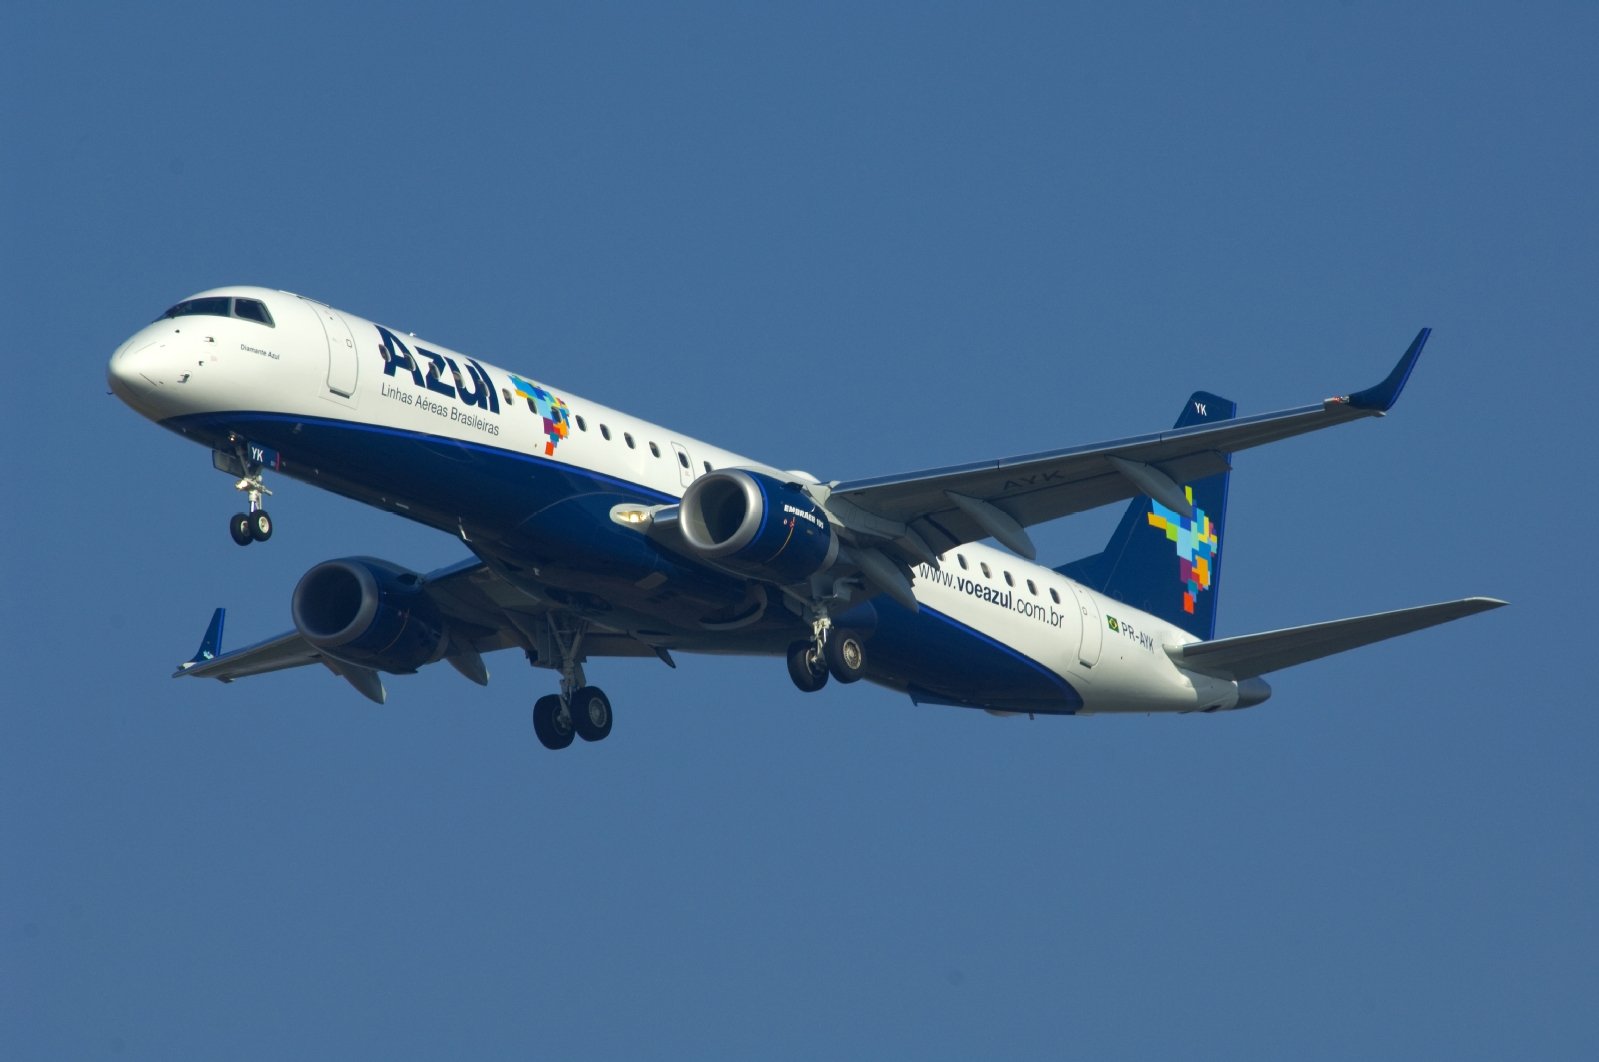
(1160, 561)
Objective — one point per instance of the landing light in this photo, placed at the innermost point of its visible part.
(631, 515)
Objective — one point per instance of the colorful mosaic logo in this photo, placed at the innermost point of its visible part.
(1196, 542)
(557, 418)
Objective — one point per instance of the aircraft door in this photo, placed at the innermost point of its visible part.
(685, 464)
(342, 363)
(1093, 627)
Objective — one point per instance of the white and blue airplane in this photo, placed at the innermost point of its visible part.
(596, 534)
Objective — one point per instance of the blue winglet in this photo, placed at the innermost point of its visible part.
(211, 644)
(1382, 397)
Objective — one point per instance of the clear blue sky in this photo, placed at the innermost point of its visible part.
(855, 242)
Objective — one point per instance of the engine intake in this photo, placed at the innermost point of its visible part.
(757, 525)
(370, 613)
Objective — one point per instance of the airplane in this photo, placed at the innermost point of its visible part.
(594, 534)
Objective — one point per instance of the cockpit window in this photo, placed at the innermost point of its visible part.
(210, 307)
(251, 310)
(222, 306)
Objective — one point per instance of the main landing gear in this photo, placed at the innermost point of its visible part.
(579, 710)
(829, 651)
(586, 714)
(255, 525)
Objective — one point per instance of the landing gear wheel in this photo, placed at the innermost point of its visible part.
(551, 723)
(239, 528)
(591, 713)
(846, 655)
(260, 525)
(806, 666)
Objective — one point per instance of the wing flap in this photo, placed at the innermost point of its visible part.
(1252, 655)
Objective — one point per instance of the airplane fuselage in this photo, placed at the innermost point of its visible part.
(521, 469)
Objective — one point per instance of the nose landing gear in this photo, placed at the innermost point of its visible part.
(250, 527)
(254, 525)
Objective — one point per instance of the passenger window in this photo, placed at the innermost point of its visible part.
(581, 425)
(682, 458)
(1054, 595)
(986, 573)
(1032, 588)
(506, 391)
(962, 560)
(627, 437)
(1008, 580)
(707, 466)
(655, 450)
(605, 433)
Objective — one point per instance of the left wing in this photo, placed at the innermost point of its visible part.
(915, 516)
(487, 611)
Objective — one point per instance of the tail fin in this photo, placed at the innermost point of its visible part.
(1160, 561)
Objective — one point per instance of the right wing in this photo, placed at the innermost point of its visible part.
(1251, 655)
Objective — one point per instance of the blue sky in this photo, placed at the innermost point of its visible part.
(855, 241)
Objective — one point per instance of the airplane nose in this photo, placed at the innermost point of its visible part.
(132, 370)
(141, 374)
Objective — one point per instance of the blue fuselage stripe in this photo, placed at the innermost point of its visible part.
(553, 506)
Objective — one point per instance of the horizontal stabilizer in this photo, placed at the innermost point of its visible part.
(1250, 655)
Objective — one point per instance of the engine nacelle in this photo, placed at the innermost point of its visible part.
(757, 525)
(370, 613)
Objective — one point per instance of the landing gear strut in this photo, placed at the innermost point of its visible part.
(579, 710)
(254, 525)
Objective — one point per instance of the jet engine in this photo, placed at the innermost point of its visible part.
(370, 613)
(756, 525)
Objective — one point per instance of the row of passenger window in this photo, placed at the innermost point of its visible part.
(632, 444)
(1032, 587)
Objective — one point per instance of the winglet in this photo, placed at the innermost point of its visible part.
(210, 645)
(1382, 397)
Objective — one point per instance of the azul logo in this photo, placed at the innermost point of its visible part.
(443, 376)
(1197, 543)
(557, 418)
(469, 384)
